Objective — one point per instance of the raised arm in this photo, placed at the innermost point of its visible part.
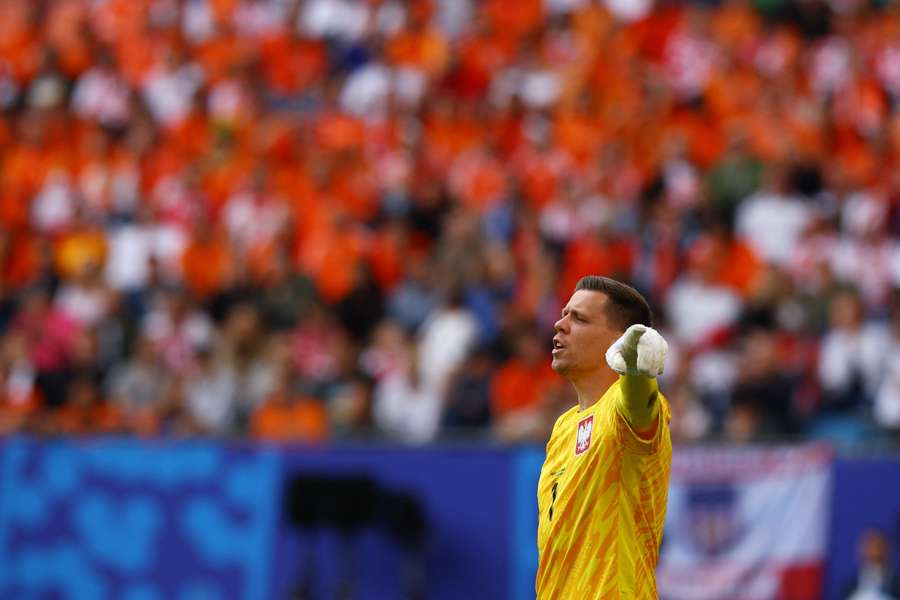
(639, 357)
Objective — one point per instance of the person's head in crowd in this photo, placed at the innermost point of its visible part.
(350, 404)
(82, 393)
(499, 265)
(242, 324)
(846, 311)
(529, 346)
(704, 258)
(759, 356)
(36, 303)
(204, 359)
(895, 314)
(743, 423)
(874, 550)
(145, 351)
(284, 389)
(454, 295)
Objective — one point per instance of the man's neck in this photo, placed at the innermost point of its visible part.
(592, 387)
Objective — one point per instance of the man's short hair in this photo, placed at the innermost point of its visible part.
(626, 305)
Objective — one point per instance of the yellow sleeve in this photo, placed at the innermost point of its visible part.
(638, 400)
(625, 421)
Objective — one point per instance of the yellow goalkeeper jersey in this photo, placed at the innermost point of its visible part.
(602, 502)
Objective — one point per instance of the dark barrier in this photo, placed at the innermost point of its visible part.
(464, 498)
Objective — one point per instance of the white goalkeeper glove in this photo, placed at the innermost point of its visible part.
(640, 351)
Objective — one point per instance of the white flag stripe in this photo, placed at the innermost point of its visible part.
(737, 534)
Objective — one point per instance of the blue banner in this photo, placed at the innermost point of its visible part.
(137, 521)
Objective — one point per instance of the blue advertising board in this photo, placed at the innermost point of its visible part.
(192, 520)
(197, 520)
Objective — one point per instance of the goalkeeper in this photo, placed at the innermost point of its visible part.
(602, 491)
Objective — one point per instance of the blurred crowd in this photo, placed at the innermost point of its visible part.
(303, 220)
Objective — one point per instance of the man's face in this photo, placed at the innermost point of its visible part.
(583, 335)
(874, 549)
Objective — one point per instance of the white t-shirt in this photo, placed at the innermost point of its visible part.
(772, 224)
(696, 309)
(444, 342)
(406, 412)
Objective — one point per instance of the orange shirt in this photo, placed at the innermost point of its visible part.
(62, 31)
(740, 268)
(518, 385)
(304, 421)
(330, 257)
(336, 131)
(16, 407)
(513, 20)
(426, 50)
(21, 260)
(206, 266)
(19, 44)
(589, 255)
(292, 65)
(579, 134)
(387, 257)
(81, 420)
(78, 249)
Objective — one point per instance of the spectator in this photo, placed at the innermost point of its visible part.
(132, 250)
(100, 94)
(21, 399)
(319, 351)
(139, 385)
(387, 350)
(534, 426)
(285, 416)
(763, 389)
(445, 340)
(249, 357)
(690, 420)
(87, 300)
(521, 382)
(406, 405)
(210, 394)
(849, 359)
(335, 163)
(82, 246)
(887, 389)
(773, 219)
(363, 306)
(350, 406)
(864, 254)
(207, 262)
(876, 578)
(178, 328)
(84, 412)
(415, 297)
(50, 337)
(286, 295)
(698, 306)
(174, 417)
(468, 398)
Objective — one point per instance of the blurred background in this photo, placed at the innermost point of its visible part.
(278, 280)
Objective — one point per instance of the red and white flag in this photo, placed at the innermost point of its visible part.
(746, 524)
